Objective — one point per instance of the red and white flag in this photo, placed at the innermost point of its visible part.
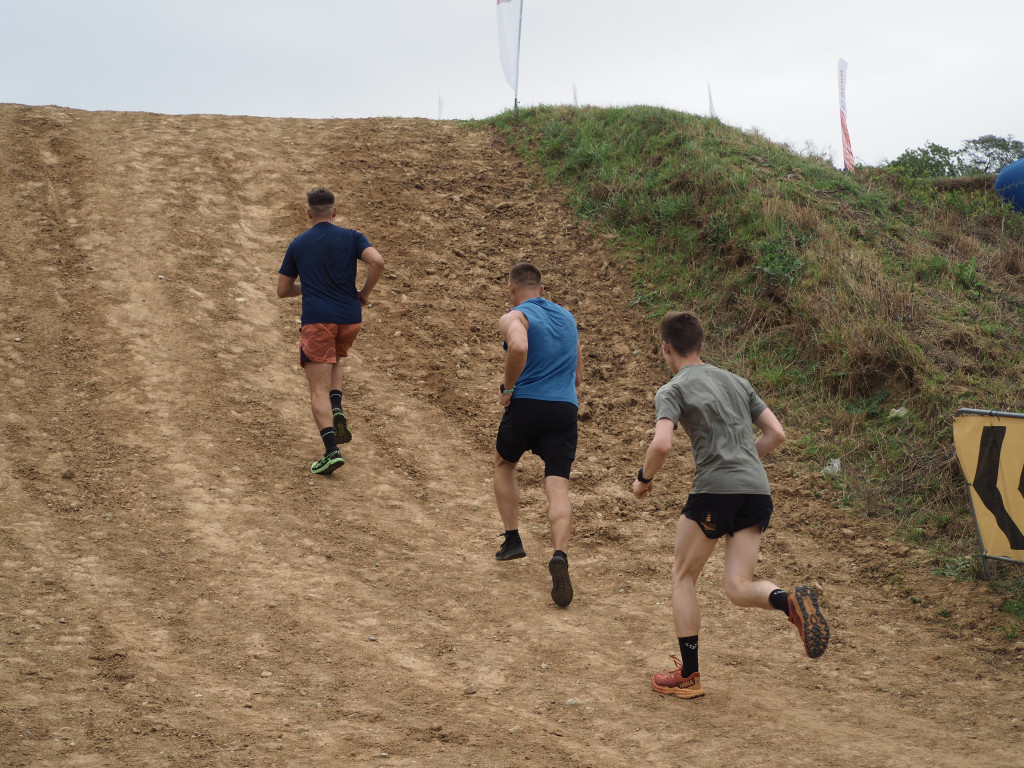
(510, 21)
(847, 148)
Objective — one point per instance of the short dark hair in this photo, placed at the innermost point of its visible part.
(320, 201)
(683, 332)
(524, 273)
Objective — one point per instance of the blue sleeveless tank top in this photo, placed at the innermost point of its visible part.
(550, 372)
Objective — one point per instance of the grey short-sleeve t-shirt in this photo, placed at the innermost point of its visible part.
(717, 409)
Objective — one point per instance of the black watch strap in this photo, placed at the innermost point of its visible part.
(640, 476)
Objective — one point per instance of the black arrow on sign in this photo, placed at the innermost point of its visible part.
(985, 483)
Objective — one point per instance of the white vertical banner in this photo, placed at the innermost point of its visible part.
(847, 147)
(510, 23)
(711, 104)
(575, 98)
(440, 106)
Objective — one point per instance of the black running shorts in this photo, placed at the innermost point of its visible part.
(720, 513)
(545, 427)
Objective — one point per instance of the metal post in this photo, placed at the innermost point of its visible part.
(519, 40)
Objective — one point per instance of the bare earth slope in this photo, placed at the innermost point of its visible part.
(176, 589)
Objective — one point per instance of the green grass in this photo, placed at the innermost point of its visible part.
(840, 296)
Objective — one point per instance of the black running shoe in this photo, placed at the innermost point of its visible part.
(510, 550)
(561, 587)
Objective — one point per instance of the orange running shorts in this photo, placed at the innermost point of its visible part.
(326, 342)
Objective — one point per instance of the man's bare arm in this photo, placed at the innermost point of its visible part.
(655, 456)
(287, 287)
(374, 269)
(513, 328)
(772, 434)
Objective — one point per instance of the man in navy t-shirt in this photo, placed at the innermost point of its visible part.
(542, 371)
(320, 266)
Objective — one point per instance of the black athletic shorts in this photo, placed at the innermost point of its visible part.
(720, 513)
(547, 428)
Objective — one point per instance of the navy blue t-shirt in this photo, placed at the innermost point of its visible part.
(324, 259)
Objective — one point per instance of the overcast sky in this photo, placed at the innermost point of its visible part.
(919, 71)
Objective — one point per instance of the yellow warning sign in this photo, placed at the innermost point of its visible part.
(990, 448)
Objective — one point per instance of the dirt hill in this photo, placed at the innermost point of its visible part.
(176, 589)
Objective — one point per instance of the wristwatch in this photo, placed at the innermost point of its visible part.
(641, 478)
(506, 391)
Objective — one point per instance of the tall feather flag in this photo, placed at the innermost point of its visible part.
(510, 28)
(711, 103)
(847, 148)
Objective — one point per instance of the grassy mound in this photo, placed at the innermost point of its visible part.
(845, 298)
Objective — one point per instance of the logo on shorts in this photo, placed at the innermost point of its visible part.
(708, 524)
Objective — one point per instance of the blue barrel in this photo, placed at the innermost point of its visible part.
(1010, 184)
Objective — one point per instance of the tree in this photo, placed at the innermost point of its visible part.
(985, 154)
(929, 160)
(990, 154)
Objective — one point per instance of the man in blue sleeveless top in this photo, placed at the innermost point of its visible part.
(542, 371)
(323, 258)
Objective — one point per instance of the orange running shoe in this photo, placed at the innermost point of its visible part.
(674, 684)
(809, 621)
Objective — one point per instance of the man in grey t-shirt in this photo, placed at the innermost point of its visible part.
(730, 496)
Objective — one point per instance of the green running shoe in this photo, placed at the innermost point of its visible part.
(341, 430)
(327, 464)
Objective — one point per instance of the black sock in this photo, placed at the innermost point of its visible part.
(779, 599)
(512, 537)
(335, 398)
(561, 554)
(330, 440)
(688, 651)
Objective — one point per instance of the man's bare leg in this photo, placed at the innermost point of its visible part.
(559, 511)
(559, 517)
(506, 494)
(740, 561)
(319, 376)
(692, 551)
(339, 420)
